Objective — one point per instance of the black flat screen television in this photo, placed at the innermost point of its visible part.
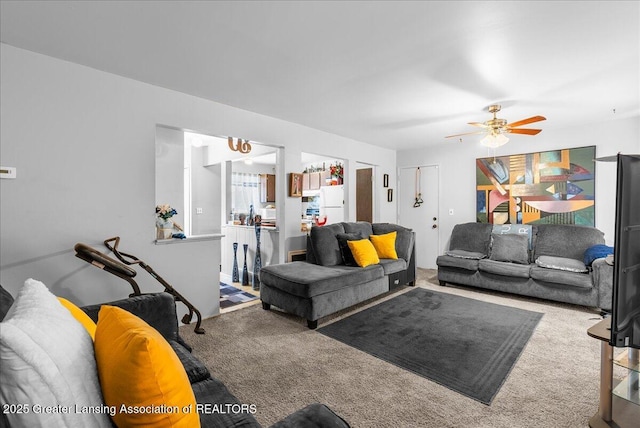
(625, 314)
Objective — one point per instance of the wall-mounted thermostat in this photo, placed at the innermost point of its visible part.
(7, 172)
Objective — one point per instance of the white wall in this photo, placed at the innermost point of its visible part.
(458, 170)
(170, 170)
(206, 193)
(83, 142)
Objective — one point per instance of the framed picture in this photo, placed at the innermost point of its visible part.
(389, 195)
(295, 185)
(552, 187)
(385, 180)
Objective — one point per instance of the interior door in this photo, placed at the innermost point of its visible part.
(364, 195)
(421, 184)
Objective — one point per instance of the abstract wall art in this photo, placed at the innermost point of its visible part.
(553, 187)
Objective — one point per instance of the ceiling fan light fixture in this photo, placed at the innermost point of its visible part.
(494, 140)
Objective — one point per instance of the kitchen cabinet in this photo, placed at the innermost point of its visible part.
(324, 176)
(311, 180)
(267, 188)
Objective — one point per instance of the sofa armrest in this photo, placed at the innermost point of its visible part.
(313, 416)
(602, 276)
(156, 309)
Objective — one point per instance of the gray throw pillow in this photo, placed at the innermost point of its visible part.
(347, 256)
(6, 300)
(325, 245)
(510, 248)
(561, 263)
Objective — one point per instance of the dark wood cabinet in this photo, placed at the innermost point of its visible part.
(267, 188)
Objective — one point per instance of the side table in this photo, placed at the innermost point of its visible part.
(627, 412)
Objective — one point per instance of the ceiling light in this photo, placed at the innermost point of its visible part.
(494, 139)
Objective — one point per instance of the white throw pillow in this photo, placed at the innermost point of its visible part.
(48, 364)
(561, 263)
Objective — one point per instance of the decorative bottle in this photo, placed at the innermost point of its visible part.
(235, 274)
(245, 270)
(257, 263)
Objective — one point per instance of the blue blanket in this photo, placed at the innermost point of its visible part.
(596, 252)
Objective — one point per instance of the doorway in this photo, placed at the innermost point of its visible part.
(421, 183)
(364, 194)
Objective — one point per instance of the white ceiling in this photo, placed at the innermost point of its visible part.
(396, 74)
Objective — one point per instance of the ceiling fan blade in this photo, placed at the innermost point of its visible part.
(466, 133)
(481, 125)
(523, 131)
(526, 121)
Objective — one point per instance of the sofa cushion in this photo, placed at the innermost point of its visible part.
(213, 397)
(565, 240)
(404, 238)
(345, 251)
(364, 252)
(156, 309)
(325, 244)
(138, 368)
(385, 245)
(47, 359)
(315, 415)
(561, 277)
(393, 265)
(196, 371)
(307, 280)
(561, 263)
(362, 227)
(465, 254)
(457, 262)
(510, 248)
(474, 237)
(504, 268)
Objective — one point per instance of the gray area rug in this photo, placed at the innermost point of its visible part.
(271, 359)
(464, 344)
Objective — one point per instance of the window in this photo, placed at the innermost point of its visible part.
(245, 191)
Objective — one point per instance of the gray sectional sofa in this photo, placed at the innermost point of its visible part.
(545, 261)
(328, 281)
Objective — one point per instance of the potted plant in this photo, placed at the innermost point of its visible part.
(164, 224)
(337, 173)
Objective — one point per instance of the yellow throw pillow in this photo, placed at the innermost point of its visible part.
(363, 252)
(385, 245)
(80, 316)
(139, 370)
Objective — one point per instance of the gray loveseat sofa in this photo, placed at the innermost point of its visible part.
(159, 311)
(545, 261)
(327, 282)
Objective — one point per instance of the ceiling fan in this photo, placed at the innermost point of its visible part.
(495, 129)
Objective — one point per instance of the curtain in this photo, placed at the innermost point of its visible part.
(245, 191)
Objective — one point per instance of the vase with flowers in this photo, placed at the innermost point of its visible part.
(337, 172)
(164, 222)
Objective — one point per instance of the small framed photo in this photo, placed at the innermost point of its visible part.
(390, 195)
(295, 185)
(385, 180)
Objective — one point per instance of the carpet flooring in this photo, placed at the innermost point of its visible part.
(231, 296)
(465, 344)
(271, 359)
